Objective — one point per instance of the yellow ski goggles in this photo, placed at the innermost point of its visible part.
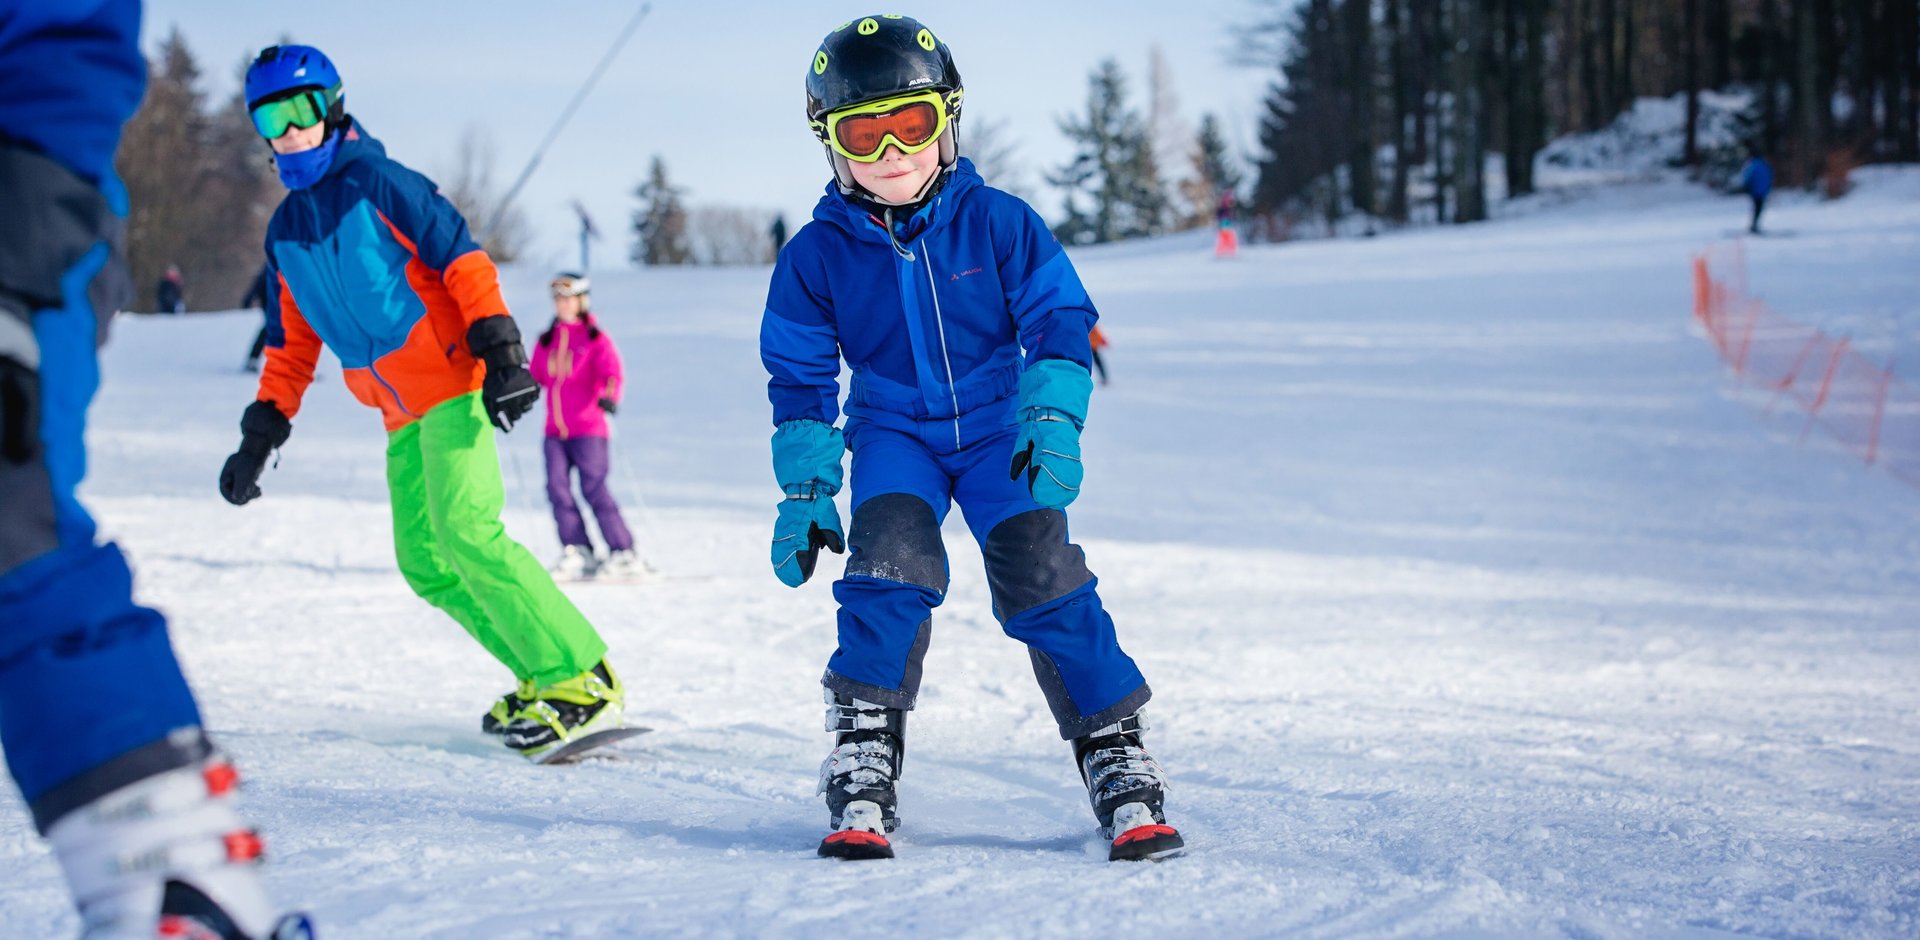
(862, 132)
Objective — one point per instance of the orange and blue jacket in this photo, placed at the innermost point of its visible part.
(374, 263)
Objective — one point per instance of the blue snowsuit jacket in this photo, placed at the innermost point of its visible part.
(931, 321)
(1757, 178)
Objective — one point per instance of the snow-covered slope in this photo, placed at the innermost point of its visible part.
(1474, 601)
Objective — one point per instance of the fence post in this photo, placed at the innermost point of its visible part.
(1752, 308)
(1879, 411)
(1826, 381)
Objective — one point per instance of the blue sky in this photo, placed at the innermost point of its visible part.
(714, 88)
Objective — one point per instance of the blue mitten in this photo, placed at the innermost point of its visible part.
(1053, 408)
(806, 461)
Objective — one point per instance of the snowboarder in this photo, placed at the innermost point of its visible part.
(170, 294)
(1756, 180)
(257, 298)
(930, 284)
(579, 366)
(366, 257)
(101, 733)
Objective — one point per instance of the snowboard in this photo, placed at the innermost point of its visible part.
(582, 747)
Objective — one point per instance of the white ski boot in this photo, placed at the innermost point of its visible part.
(576, 563)
(167, 856)
(623, 565)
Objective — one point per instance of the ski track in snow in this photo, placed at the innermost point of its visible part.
(1477, 602)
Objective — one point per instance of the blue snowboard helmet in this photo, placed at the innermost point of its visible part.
(297, 86)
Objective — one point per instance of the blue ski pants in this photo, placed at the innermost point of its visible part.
(1043, 595)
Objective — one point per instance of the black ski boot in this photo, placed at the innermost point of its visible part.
(857, 776)
(1127, 789)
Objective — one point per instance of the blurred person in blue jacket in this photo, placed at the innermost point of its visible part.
(101, 733)
(1756, 180)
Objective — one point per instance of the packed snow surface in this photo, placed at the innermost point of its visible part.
(1476, 599)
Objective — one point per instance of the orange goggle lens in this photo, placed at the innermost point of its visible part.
(913, 126)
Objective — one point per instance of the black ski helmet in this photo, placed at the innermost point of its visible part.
(876, 57)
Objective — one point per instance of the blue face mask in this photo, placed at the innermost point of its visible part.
(303, 169)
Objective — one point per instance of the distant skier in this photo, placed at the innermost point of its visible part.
(257, 298)
(1097, 341)
(1756, 180)
(101, 733)
(929, 285)
(367, 257)
(778, 233)
(1226, 241)
(579, 366)
(170, 294)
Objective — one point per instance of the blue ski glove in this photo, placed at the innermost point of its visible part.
(806, 461)
(1053, 408)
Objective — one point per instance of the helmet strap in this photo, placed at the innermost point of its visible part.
(950, 143)
(842, 172)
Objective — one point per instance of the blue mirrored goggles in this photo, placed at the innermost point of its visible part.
(303, 109)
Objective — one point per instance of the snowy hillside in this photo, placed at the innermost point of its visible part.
(1650, 137)
(1476, 602)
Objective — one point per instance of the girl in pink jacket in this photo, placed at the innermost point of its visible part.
(579, 367)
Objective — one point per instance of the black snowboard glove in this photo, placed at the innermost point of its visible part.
(262, 429)
(509, 390)
(19, 411)
(608, 405)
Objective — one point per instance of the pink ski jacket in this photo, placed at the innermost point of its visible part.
(577, 371)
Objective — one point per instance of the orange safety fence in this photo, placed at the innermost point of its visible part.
(1857, 402)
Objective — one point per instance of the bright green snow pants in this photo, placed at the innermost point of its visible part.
(444, 474)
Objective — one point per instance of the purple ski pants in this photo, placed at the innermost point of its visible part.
(587, 456)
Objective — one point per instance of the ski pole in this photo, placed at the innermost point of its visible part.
(519, 479)
(633, 480)
(626, 469)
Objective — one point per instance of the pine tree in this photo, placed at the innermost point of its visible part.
(1301, 130)
(1113, 167)
(1214, 172)
(1469, 112)
(660, 224)
(199, 182)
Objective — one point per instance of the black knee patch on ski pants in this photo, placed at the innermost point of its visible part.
(1030, 562)
(896, 538)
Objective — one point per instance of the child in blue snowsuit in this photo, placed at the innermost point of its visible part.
(101, 733)
(930, 285)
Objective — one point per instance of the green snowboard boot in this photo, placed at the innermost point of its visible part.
(496, 718)
(553, 715)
